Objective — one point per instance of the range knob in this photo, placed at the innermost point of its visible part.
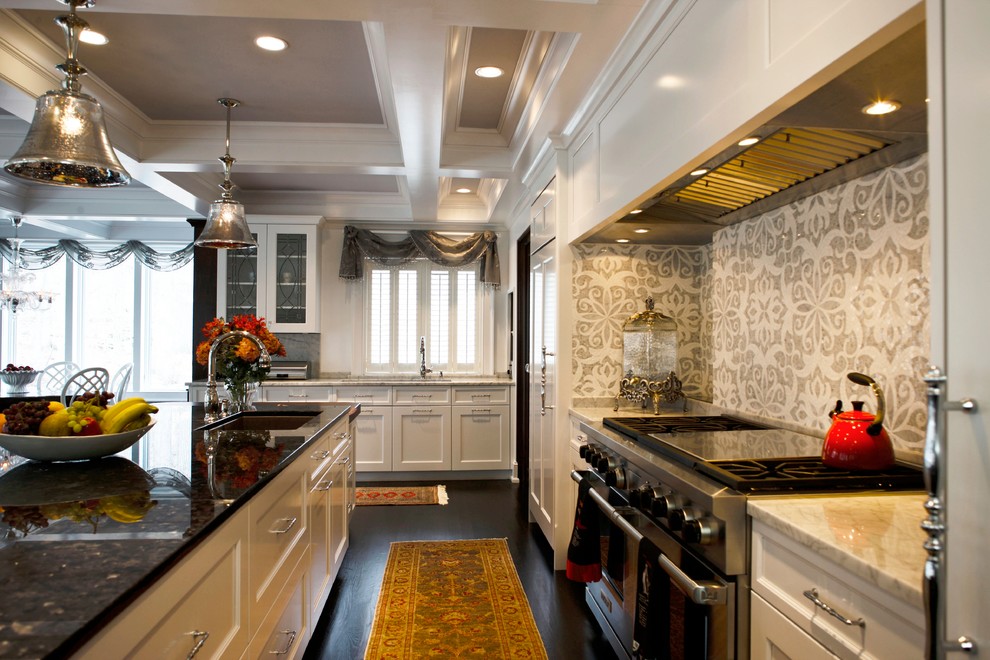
(679, 517)
(637, 495)
(703, 531)
(591, 455)
(648, 495)
(616, 477)
(584, 449)
(665, 504)
(606, 463)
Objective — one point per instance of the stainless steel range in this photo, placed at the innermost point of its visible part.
(682, 483)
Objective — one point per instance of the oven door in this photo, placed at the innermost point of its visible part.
(659, 600)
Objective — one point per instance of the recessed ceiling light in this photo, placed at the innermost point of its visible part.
(635, 211)
(700, 171)
(488, 72)
(271, 43)
(745, 142)
(641, 231)
(622, 240)
(93, 38)
(463, 190)
(881, 107)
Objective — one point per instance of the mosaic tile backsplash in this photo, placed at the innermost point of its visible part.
(775, 313)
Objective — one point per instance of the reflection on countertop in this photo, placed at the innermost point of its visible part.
(79, 541)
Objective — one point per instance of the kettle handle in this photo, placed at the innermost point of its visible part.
(863, 379)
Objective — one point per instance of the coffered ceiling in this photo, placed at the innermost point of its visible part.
(373, 114)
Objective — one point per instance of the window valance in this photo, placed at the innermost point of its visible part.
(95, 260)
(442, 250)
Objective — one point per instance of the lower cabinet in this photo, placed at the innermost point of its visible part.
(477, 438)
(200, 610)
(255, 587)
(421, 438)
(787, 622)
(372, 431)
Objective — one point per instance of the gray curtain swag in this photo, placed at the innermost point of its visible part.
(441, 250)
(38, 259)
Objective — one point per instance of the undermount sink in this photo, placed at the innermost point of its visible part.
(266, 421)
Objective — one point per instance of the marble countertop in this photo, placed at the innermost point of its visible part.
(878, 538)
(381, 381)
(81, 540)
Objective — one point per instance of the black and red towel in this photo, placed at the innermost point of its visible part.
(584, 555)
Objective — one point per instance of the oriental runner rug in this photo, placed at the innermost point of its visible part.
(452, 599)
(367, 495)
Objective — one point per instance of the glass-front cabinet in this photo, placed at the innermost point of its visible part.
(278, 280)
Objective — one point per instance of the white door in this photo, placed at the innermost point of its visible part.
(959, 86)
(543, 298)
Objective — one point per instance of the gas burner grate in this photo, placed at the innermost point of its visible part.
(807, 473)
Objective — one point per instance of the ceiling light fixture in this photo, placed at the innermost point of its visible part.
(226, 226)
(463, 190)
(67, 143)
(488, 72)
(17, 290)
(641, 230)
(622, 240)
(747, 142)
(700, 171)
(635, 211)
(881, 107)
(273, 44)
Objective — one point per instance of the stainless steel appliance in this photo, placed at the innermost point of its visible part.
(682, 482)
(289, 370)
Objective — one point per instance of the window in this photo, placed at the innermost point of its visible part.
(422, 301)
(109, 318)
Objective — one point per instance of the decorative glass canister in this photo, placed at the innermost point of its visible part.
(649, 359)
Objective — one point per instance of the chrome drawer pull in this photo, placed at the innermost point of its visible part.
(418, 410)
(290, 523)
(812, 595)
(200, 638)
(325, 485)
(319, 455)
(481, 396)
(292, 639)
(481, 411)
(422, 396)
(304, 395)
(346, 460)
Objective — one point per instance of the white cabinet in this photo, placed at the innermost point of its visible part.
(421, 437)
(480, 437)
(203, 604)
(786, 578)
(278, 280)
(372, 432)
(297, 393)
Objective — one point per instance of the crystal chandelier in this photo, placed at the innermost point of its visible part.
(17, 290)
(67, 143)
(226, 227)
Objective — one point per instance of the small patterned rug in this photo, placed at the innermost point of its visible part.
(369, 495)
(452, 599)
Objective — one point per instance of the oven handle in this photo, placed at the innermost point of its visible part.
(701, 593)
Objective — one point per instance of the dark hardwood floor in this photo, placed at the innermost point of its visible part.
(477, 509)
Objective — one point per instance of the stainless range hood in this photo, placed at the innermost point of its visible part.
(820, 142)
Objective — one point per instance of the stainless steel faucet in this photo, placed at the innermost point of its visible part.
(213, 408)
(422, 356)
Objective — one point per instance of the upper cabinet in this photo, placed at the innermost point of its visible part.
(278, 280)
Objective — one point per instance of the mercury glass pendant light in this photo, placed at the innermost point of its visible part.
(226, 227)
(67, 144)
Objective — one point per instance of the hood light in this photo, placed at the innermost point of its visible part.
(881, 107)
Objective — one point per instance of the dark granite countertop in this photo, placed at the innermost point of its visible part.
(80, 541)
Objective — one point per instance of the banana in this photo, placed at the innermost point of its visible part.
(117, 408)
(130, 414)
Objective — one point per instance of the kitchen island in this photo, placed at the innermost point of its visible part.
(83, 542)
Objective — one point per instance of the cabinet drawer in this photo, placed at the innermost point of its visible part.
(299, 393)
(775, 637)
(783, 570)
(284, 631)
(277, 534)
(421, 394)
(480, 395)
(203, 602)
(365, 395)
(318, 456)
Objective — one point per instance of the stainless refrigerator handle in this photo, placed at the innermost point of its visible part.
(701, 593)
(936, 646)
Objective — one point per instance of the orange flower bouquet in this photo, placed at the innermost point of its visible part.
(237, 361)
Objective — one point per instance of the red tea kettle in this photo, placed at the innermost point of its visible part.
(857, 440)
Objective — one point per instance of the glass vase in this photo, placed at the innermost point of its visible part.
(241, 395)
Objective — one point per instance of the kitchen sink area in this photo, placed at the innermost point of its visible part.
(288, 420)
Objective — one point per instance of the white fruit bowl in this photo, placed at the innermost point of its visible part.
(73, 447)
(17, 381)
